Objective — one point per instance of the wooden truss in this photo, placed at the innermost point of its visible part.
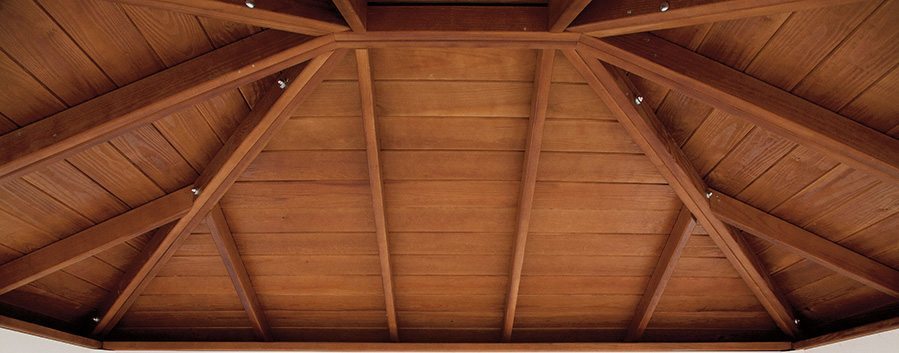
(304, 62)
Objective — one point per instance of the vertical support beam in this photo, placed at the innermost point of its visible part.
(616, 91)
(224, 242)
(254, 132)
(354, 12)
(539, 104)
(373, 150)
(674, 247)
(563, 12)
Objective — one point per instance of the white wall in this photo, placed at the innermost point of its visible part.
(15, 342)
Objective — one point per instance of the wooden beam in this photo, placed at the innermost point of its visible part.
(445, 347)
(612, 18)
(354, 12)
(94, 240)
(563, 12)
(616, 91)
(848, 334)
(457, 39)
(373, 152)
(457, 18)
(303, 17)
(224, 242)
(63, 134)
(539, 104)
(254, 132)
(806, 244)
(674, 247)
(49, 333)
(762, 104)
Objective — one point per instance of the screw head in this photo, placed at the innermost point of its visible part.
(638, 100)
(250, 3)
(95, 319)
(664, 6)
(282, 84)
(195, 191)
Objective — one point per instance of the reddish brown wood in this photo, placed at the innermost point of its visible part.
(674, 247)
(640, 122)
(354, 12)
(848, 334)
(376, 180)
(563, 12)
(456, 39)
(457, 18)
(49, 333)
(224, 242)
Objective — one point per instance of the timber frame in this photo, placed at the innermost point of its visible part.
(604, 51)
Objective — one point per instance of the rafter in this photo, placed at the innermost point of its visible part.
(616, 91)
(806, 244)
(96, 239)
(63, 134)
(539, 104)
(563, 12)
(249, 138)
(617, 17)
(674, 247)
(457, 18)
(373, 152)
(744, 96)
(354, 12)
(286, 15)
(448, 347)
(456, 39)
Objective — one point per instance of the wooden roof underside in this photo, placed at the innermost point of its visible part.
(722, 175)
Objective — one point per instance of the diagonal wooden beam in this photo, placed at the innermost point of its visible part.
(563, 12)
(674, 247)
(539, 104)
(224, 242)
(806, 244)
(617, 17)
(741, 95)
(303, 17)
(373, 151)
(616, 91)
(62, 135)
(250, 137)
(48, 333)
(354, 12)
(94, 240)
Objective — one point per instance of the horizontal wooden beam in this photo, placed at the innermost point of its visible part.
(49, 333)
(62, 135)
(807, 244)
(457, 18)
(563, 12)
(457, 39)
(303, 17)
(94, 240)
(744, 96)
(617, 91)
(445, 347)
(355, 12)
(617, 17)
(848, 334)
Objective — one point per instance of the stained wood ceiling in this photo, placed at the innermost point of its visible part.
(719, 175)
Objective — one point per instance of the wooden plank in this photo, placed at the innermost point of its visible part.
(457, 18)
(102, 118)
(674, 247)
(446, 347)
(306, 18)
(611, 18)
(456, 39)
(94, 240)
(539, 104)
(355, 12)
(805, 243)
(251, 136)
(563, 12)
(855, 332)
(617, 91)
(376, 180)
(224, 241)
(743, 96)
(49, 333)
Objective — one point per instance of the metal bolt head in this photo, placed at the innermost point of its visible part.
(638, 100)
(708, 194)
(95, 319)
(664, 6)
(282, 84)
(195, 191)
(250, 3)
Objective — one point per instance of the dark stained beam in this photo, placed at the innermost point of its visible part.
(741, 95)
(354, 12)
(617, 92)
(94, 240)
(563, 12)
(539, 104)
(227, 247)
(303, 17)
(674, 247)
(250, 137)
(616, 17)
(806, 244)
(373, 153)
(68, 132)
(457, 18)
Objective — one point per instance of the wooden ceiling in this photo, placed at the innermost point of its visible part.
(449, 175)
